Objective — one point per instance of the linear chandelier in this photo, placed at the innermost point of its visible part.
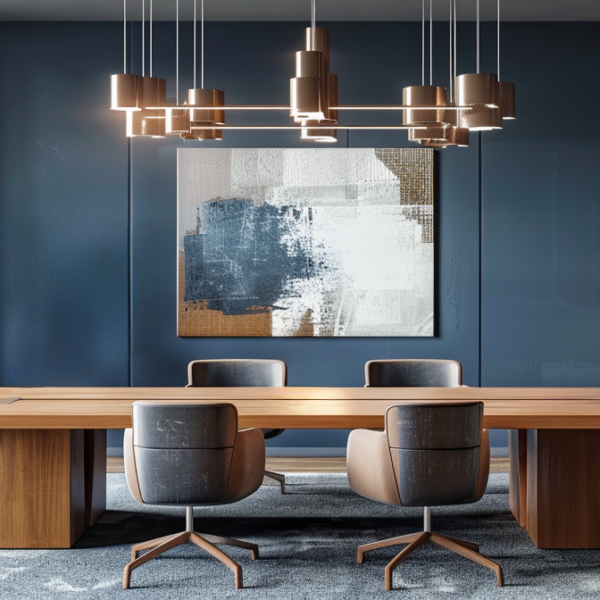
(434, 116)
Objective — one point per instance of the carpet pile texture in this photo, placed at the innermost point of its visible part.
(307, 541)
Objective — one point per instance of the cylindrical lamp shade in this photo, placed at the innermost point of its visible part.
(314, 89)
(458, 136)
(154, 92)
(506, 99)
(207, 97)
(202, 134)
(332, 97)
(481, 118)
(318, 39)
(432, 132)
(310, 64)
(306, 102)
(477, 89)
(147, 123)
(424, 95)
(125, 92)
(435, 144)
(317, 134)
(177, 120)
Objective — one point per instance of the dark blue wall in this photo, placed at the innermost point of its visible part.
(72, 313)
(63, 208)
(541, 216)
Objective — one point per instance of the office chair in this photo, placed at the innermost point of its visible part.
(191, 455)
(242, 373)
(413, 373)
(428, 455)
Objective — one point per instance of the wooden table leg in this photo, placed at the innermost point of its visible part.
(517, 454)
(563, 488)
(42, 491)
(95, 474)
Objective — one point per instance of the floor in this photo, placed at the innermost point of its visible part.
(308, 465)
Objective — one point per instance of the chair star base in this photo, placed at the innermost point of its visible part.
(414, 540)
(203, 540)
(280, 477)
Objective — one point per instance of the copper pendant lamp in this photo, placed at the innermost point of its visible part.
(125, 88)
(177, 118)
(146, 123)
(314, 90)
(456, 135)
(204, 98)
(154, 93)
(506, 90)
(426, 95)
(150, 121)
(479, 91)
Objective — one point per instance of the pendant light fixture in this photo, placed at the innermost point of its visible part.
(177, 117)
(150, 121)
(426, 95)
(480, 92)
(434, 116)
(204, 97)
(506, 90)
(125, 88)
(314, 89)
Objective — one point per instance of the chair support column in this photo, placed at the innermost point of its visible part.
(189, 518)
(427, 518)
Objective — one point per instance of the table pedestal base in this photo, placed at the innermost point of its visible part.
(555, 486)
(52, 485)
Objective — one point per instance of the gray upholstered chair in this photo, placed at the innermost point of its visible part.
(191, 455)
(240, 372)
(428, 455)
(413, 373)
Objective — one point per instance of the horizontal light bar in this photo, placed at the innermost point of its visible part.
(398, 107)
(299, 127)
(346, 107)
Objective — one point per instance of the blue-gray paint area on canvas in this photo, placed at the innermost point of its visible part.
(236, 258)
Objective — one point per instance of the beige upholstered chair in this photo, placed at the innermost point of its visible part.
(413, 373)
(191, 455)
(428, 455)
(240, 372)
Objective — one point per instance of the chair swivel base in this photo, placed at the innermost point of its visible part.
(280, 477)
(203, 540)
(462, 547)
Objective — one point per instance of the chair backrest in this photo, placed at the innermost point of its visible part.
(183, 452)
(413, 373)
(435, 450)
(237, 373)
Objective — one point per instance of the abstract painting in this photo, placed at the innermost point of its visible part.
(305, 242)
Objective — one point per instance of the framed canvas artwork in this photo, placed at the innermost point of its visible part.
(305, 242)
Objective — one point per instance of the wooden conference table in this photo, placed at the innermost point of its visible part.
(53, 449)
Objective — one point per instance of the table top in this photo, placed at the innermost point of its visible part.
(298, 407)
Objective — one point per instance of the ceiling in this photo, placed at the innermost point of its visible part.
(297, 10)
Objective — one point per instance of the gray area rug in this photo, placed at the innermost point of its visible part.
(308, 541)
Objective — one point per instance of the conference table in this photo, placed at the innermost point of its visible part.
(53, 448)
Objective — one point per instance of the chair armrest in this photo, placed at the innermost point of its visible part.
(370, 469)
(247, 464)
(484, 465)
(130, 468)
